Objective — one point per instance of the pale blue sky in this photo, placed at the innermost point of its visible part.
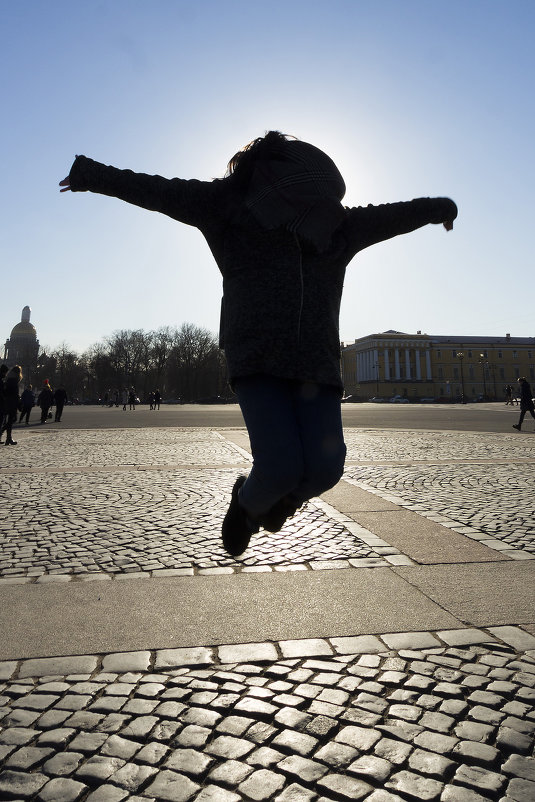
(410, 97)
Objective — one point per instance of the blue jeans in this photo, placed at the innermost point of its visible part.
(296, 438)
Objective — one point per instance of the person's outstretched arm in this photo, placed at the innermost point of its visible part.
(185, 200)
(368, 225)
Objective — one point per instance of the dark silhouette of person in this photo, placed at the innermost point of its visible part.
(12, 400)
(526, 402)
(45, 399)
(27, 403)
(3, 370)
(60, 399)
(157, 399)
(282, 240)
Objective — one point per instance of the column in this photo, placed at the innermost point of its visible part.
(428, 365)
(387, 364)
(417, 360)
(407, 364)
(396, 361)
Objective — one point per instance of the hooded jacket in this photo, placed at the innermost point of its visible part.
(281, 296)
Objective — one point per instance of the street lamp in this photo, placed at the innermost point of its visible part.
(460, 357)
(483, 364)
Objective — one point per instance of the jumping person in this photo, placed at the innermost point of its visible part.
(282, 240)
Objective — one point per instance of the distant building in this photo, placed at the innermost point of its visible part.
(435, 366)
(23, 346)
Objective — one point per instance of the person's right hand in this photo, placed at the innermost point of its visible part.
(448, 224)
(66, 184)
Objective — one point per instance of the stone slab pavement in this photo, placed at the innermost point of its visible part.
(380, 647)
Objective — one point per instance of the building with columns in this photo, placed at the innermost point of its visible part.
(445, 367)
(22, 347)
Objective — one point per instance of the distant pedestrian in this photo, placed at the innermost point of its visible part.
(3, 370)
(12, 400)
(27, 403)
(508, 395)
(157, 399)
(132, 398)
(151, 400)
(124, 398)
(45, 399)
(60, 399)
(526, 402)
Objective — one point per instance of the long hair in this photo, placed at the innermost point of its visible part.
(240, 167)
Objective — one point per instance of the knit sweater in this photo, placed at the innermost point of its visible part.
(281, 298)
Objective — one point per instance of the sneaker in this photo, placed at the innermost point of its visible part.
(236, 530)
(278, 514)
(517, 427)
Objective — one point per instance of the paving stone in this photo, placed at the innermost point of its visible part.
(344, 786)
(521, 790)
(376, 769)
(98, 768)
(17, 784)
(414, 786)
(519, 766)
(126, 661)
(111, 793)
(474, 731)
(305, 648)
(358, 737)
(296, 793)
(430, 763)
(63, 763)
(168, 785)
(513, 741)
(394, 751)
(188, 761)
(262, 785)
(302, 768)
(230, 773)
(456, 793)
(166, 658)
(27, 757)
(265, 756)
(337, 755)
(57, 666)
(247, 652)
(61, 789)
(213, 793)
(479, 778)
(470, 751)
(225, 746)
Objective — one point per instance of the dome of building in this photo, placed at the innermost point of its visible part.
(24, 329)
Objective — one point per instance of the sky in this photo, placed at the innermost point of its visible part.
(411, 98)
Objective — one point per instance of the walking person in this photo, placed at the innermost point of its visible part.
(282, 240)
(132, 398)
(526, 402)
(157, 399)
(508, 395)
(27, 403)
(124, 398)
(3, 370)
(12, 400)
(60, 399)
(45, 400)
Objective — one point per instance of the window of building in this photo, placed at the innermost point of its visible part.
(439, 354)
(529, 354)
(440, 373)
(502, 373)
(532, 373)
(469, 355)
(455, 373)
(517, 373)
(500, 355)
(471, 372)
(454, 353)
(515, 355)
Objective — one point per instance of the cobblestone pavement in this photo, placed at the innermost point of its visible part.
(446, 716)
(134, 501)
(443, 716)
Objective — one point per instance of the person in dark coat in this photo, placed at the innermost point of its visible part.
(3, 370)
(157, 399)
(12, 400)
(282, 240)
(526, 402)
(45, 399)
(27, 403)
(60, 399)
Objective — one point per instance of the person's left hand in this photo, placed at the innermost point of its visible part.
(66, 184)
(448, 224)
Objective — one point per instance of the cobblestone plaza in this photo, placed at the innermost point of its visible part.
(443, 710)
